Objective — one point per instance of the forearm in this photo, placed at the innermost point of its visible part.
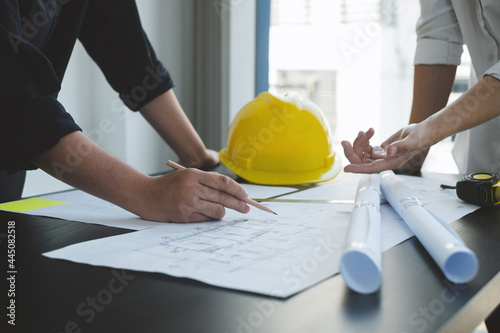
(476, 106)
(79, 162)
(166, 116)
(431, 90)
(181, 196)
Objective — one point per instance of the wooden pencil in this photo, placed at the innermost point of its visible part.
(249, 201)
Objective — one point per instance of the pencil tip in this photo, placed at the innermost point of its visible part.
(275, 213)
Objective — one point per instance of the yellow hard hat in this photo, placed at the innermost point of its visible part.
(281, 140)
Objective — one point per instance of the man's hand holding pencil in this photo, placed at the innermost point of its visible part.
(230, 184)
(191, 195)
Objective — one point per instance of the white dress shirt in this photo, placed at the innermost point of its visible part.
(444, 26)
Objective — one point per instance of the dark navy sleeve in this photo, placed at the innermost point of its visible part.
(31, 118)
(113, 36)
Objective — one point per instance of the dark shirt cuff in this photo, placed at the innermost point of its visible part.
(36, 126)
(156, 80)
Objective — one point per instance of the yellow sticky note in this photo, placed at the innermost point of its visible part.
(29, 204)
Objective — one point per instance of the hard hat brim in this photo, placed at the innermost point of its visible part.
(282, 177)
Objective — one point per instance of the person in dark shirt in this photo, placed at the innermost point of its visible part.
(36, 41)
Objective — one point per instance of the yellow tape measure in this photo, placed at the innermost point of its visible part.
(480, 188)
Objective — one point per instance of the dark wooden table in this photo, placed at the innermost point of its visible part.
(60, 296)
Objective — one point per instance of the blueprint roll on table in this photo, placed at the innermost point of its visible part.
(458, 263)
(361, 263)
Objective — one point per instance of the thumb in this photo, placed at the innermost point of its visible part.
(392, 149)
(397, 148)
(408, 145)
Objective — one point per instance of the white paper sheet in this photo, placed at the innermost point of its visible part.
(444, 203)
(83, 207)
(264, 192)
(458, 263)
(361, 262)
(439, 202)
(259, 252)
(341, 189)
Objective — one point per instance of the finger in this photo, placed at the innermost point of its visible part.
(402, 147)
(373, 167)
(366, 144)
(369, 133)
(199, 217)
(378, 153)
(221, 199)
(193, 210)
(362, 146)
(359, 144)
(383, 162)
(211, 209)
(366, 160)
(393, 138)
(392, 149)
(224, 184)
(198, 209)
(349, 152)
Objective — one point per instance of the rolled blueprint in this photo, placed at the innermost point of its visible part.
(361, 262)
(458, 263)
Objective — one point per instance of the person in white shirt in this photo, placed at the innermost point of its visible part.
(444, 26)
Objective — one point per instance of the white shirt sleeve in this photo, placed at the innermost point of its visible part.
(439, 40)
(494, 71)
